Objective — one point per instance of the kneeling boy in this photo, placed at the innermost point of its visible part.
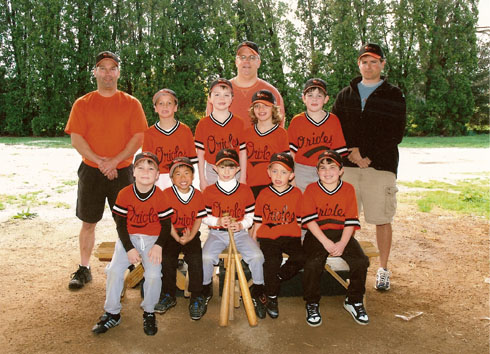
(236, 201)
(329, 211)
(189, 209)
(277, 227)
(142, 219)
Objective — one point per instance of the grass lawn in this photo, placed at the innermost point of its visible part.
(58, 142)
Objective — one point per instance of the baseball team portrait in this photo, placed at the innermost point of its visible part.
(245, 176)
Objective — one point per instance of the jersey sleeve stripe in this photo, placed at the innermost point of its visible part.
(120, 210)
(194, 159)
(352, 222)
(309, 218)
(250, 208)
(293, 147)
(243, 146)
(257, 218)
(202, 214)
(342, 150)
(199, 145)
(166, 213)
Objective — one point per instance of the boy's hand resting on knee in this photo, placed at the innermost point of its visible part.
(133, 256)
(155, 254)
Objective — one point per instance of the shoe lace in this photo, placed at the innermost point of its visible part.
(78, 274)
(361, 311)
(383, 276)
(312, 310)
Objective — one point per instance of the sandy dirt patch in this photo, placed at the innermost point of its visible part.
(439, 262)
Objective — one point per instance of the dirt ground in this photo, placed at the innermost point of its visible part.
(439, 260)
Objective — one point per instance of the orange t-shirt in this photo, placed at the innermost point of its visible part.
(242, 99)
(278, 213)
(308, 139)
(332, 210)
(260, 147)
(107, 123)
(167, 145)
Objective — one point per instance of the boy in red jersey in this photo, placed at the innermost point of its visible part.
(264, 138)
(312, 132)
(227, 196)
(189, 209)
(277, 227)
(329, 211)
(142, 218)
(220, 130)
(168, 138)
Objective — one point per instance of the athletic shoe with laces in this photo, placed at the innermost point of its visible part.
(382, 279)
(107, 321)
(207, 292)
(313, 317)
(197, 308)
(149, 323)
(272, 307)
(165, 303)
(80, 278)
(259, 304)
(357, 311)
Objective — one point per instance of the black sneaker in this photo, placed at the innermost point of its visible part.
(80, 278)
(357, 311)
(313, 317)
(149, 323)
(107, 321)
(272, 307)
(207, 292)
(165, 303)
(259, 304)
(197, 308)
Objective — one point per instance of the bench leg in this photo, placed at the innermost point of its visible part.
(336, 276)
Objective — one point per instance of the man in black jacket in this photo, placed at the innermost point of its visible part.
(372, 113)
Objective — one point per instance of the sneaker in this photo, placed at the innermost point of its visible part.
(207, 291)
(107, 321)
(79, 278)
(357, 311)
(197, 308)
(149, 323)
(259, 304)
(382, 279)
(165, 303)
(272, 307)
(313, 317)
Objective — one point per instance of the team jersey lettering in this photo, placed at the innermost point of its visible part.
(323, 138)
(235, 211)
(331, 211)
(216, 144)
(141, 219)
(166, 157)
(280, 216)
(258, 153)
(185, 220)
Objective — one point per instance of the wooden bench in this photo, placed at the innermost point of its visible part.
(105, 251)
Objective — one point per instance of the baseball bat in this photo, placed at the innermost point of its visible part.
(242, 280)
(231, 314)
(225, 295)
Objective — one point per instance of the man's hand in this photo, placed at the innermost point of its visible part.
(355, 157)
(133, 256)
(155, 254)
(108, 165)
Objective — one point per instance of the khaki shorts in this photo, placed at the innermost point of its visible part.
(375, 192)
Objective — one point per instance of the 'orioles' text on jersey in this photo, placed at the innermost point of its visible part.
(278, 212)
(143, 215)
(236, 203)
(260, 147)
(212, 136)
(185, 212)
(169, 144)
(330, 209)
(308, 139)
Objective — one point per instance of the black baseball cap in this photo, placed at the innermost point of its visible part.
(331, 155)
(146, 155)
(253, 46)
(371, 49)
(264, 96)
(106, 55)
(227, 154)
(283, 158)
(162, 92)
(315, 83)
(180, 161)
(221, 82)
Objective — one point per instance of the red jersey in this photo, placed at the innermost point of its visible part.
(308, 139)
(330, 209)
(167, 145)
(143, 215)
(278, 212)
(185, 212)
(212, 136)
(236, 202)
(260, 147)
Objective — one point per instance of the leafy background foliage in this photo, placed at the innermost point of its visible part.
(47, 50)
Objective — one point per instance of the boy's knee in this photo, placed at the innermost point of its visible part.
(361, 263)
(314, 264)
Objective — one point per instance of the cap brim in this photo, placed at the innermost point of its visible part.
(286, 166)
(115, 62)
(370, 54)
(225, 159)
(315, 86)
(172, 169)
(145, 158)
(327, 157)
(267, 103)
(246, 46)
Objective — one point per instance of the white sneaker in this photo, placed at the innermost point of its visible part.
(357, 311)
(382, 279)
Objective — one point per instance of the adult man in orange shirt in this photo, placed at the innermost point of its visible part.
(247, 82)
(106, 127)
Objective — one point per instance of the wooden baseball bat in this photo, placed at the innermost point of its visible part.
(231, 312)
(242, 280)
(225, 295)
